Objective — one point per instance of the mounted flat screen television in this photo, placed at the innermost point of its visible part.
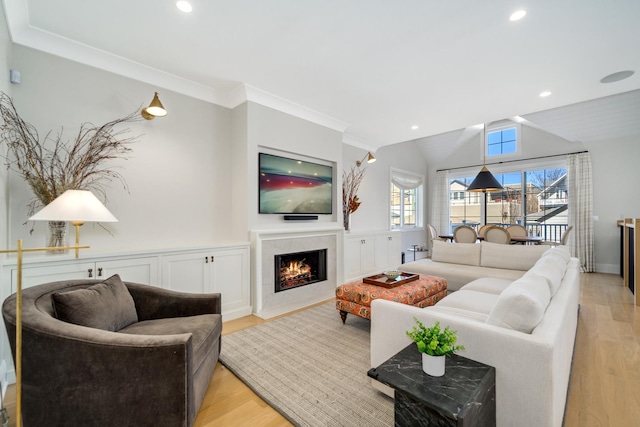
(292, 186)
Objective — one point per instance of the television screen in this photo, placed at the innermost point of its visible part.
(288, 186)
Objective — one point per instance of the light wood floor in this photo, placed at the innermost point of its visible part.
(605, 379)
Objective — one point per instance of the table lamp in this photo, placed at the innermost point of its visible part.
(78, 207)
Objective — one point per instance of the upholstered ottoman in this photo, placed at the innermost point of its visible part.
(355, 297)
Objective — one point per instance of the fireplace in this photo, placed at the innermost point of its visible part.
(297, 269)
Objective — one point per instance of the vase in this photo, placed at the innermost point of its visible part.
(433, 365)
(347, 222)
(57, 237)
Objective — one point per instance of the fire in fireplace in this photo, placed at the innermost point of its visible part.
(299, 269)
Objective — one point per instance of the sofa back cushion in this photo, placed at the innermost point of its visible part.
(510, 257)
(552, 269)
(107, 305)
(522, 305)
(456, 253)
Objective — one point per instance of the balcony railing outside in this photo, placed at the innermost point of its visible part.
(548, 232)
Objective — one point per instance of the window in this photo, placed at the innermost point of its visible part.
(500, 142)
(406, 194)
(534, 197)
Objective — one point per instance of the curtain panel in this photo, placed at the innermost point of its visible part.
(440, 205)
(580, 188)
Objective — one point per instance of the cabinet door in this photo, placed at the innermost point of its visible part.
(186, 272)
(352, 261)
(32, 276)
(368, 255)
(388, 252)
(138, 270)
(230, 277)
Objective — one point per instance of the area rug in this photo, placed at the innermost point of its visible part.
(311, 368)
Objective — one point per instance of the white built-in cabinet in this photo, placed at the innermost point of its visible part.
(223, 269)
(371, 253)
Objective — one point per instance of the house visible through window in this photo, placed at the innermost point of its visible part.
(406, 194)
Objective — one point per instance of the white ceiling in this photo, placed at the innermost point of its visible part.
(370, 68)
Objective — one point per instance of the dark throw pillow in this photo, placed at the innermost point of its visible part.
(107, 305)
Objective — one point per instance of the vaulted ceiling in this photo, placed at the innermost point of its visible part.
(370, 68)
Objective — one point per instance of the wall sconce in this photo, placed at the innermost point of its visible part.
(369, 157)
(155, 109)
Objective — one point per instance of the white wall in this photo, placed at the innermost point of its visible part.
(177, 174)
(615, 175)
(375, 190)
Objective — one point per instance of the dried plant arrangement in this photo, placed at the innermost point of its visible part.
(52, 165)
(350, 185)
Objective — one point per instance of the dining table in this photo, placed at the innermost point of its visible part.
(534, 240)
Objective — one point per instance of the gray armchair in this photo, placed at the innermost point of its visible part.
(153, 372)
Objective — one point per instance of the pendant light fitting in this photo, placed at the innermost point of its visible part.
(484, 181)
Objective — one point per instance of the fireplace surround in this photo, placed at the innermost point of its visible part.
(267, 244)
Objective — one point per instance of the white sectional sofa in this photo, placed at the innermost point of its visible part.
(523, 325)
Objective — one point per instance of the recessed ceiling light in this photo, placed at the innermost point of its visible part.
(616, 77)
(414, 127)
(184, 6)
(545, 94)
(517, 15)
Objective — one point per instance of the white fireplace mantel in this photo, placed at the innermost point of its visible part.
(265, 244)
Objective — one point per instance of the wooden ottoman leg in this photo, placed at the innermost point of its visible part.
(343, 316)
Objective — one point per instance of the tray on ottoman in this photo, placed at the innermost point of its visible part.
(382, 280)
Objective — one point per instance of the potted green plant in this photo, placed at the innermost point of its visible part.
(434, 344)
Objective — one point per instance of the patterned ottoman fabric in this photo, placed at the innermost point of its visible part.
(356, 297)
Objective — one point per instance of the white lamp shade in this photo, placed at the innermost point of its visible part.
(75, 206)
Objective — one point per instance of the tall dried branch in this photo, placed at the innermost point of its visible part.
(350, 185)
(52, 166)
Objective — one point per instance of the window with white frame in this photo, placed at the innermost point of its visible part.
(406, 196)
(535, 196)
(502, 141)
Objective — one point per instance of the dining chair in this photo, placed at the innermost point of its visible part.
(517, 230)
(433, 233)
(482, 228)
(496, 234)
(465, 234)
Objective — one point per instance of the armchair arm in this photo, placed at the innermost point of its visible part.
(157, 303)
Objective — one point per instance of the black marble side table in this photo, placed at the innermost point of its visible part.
(464, 396)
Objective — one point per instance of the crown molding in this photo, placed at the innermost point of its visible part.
(359, 143)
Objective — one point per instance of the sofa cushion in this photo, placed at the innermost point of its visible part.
(558, 251)
(522, 305)
(107, 305)
(511, 257)
(552, 269)
(205, 329)
(473, 301)
(458, 275)
(456, 253)
(490, 285)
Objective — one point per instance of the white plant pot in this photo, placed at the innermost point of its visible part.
(433, 365)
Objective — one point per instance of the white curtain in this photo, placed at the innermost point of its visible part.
(440, 204)
(405, 181)
(580, 191)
